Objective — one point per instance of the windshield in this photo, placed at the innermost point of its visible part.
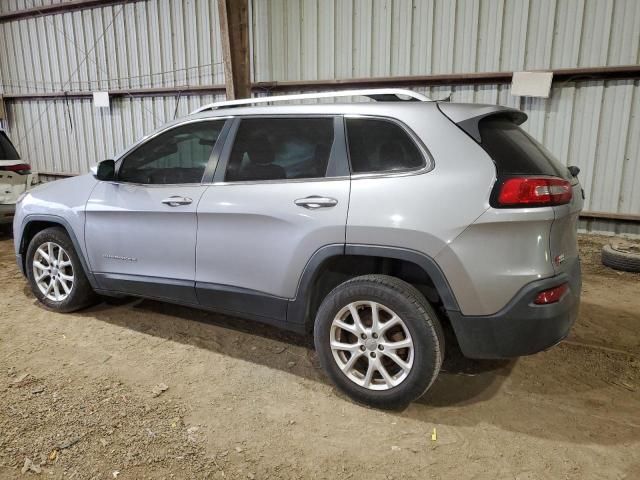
(7, 152)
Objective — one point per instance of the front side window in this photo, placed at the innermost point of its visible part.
(377, 145)
(280, 148)
(179, 155)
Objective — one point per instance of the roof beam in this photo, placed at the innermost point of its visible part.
(495, 78)
(62, 7)
(234, 29)
(476, 78)
(130, 92)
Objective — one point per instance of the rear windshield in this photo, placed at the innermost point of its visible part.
(7, 152)
(514, 151)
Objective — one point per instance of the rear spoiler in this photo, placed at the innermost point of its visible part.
(468, 115)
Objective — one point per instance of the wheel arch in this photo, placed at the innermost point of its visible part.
(334, 264)
(34, 224)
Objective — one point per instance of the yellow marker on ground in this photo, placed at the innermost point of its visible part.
(434, 435)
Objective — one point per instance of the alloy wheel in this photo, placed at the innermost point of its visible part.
(371, 345)
(53, 271)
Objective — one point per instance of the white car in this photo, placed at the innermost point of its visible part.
(15, 178)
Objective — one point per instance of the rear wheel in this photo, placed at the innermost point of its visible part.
(379, 340)
(55, 273)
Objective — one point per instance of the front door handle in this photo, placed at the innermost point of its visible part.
(176, 201)
(315, 201)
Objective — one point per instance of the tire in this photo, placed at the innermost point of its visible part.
(80, 293)
(624, 257)
(419, 320)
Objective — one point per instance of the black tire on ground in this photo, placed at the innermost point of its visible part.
(81, 294)
(621, 257)
(420, 319)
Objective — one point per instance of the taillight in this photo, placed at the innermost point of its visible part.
(552, 295)
(21, 168)
(534, 192)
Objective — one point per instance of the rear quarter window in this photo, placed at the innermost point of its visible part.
(514, 151)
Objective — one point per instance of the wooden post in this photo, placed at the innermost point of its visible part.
(234, 29)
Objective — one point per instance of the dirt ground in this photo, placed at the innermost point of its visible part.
(246, 401)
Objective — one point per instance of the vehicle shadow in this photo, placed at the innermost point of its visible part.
(467, 393)
(270, 346)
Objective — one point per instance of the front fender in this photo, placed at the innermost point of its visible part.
(47, 221)
(63, 203)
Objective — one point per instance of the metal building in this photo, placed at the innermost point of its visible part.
(161, 58)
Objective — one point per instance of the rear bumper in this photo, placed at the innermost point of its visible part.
(521, 328)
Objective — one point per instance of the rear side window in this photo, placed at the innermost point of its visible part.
(7, 152)
(377, 145)
(280, 148)
(514, 151)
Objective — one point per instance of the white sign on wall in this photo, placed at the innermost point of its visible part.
(101, 99)
(531, 84)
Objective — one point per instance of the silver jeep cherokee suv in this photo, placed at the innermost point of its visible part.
(377, 226)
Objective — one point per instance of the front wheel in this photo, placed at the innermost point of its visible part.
(55, 273)
(379, 340)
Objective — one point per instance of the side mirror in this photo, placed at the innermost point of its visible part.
(106, 171)
(574, 171)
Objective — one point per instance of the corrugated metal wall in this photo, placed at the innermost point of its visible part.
(145, 44)
(309, 40)
(165, 43)
(162, 43)
(72, 136)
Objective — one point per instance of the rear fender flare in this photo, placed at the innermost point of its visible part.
(297, 308)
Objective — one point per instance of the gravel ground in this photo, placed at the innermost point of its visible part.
(142, 389)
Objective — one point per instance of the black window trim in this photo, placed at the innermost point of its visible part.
(338, 160)
(211, 163)
(429, 163)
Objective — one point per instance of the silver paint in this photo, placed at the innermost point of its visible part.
(253, 235)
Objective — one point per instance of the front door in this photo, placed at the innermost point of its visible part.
(141, 229)
(280, 193)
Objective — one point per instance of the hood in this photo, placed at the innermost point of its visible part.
(66, 187)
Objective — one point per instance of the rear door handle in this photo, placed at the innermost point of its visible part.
(314, 201)
(176, 201)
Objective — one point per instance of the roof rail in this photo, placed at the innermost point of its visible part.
(377, 94)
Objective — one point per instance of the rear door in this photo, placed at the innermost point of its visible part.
(141, 229)
(280, 193)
